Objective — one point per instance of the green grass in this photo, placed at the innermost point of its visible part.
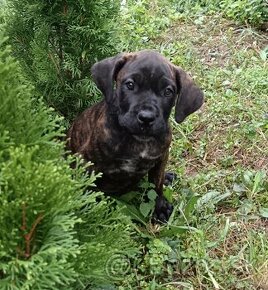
(218, 235)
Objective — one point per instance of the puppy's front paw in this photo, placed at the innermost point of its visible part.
(169, 177)
(163, 210)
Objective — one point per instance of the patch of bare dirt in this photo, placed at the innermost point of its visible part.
(215, 39)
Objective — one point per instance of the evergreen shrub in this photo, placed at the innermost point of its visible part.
(57, 42)
(53, 232)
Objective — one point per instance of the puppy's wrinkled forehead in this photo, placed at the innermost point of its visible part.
(148, 65)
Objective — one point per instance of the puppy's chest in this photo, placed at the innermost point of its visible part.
(139, 163)
(135, 161)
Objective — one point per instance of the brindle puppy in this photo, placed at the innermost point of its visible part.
(127, 135)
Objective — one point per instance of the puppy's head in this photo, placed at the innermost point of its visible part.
(142, 88)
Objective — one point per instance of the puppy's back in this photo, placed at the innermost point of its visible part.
(86, 128)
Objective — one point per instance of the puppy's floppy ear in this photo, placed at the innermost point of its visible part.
(104, 74)
(190, 96)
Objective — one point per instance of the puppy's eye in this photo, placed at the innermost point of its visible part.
(168, 92)
(130, 85)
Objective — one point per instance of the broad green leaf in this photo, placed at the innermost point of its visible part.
(172, 231)
(264, 212)
(263, 54)
(239, 188)
(128, 196)
(258, 181)
(146, 208)
(168, 193)
(190, 206)
(131, 211)
(152, 194)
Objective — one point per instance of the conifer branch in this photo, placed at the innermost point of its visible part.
(28, 237)
(23, 226)
(57, 68)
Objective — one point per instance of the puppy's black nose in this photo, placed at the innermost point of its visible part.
(146, 117)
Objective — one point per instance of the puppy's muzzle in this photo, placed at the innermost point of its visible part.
(146, 118)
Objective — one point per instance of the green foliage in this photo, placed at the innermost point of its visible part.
(18, 113)
(54, 234)
(38, 235)
(57, 42)
(2, 13)
(254, 12)
(142, 21)
(158, 254)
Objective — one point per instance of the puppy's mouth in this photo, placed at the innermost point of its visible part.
(143, 138)
(142, 132)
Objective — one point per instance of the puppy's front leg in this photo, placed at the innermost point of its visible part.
(156, 175)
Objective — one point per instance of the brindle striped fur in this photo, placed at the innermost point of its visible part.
(127, 135)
